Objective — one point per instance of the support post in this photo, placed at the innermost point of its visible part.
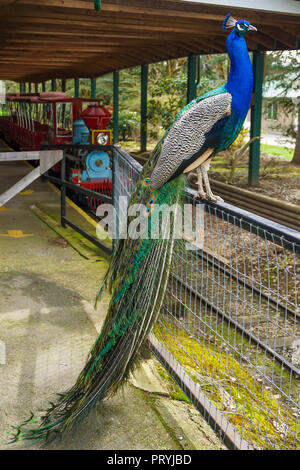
(116, 106)
(191, 80)
(36, 90)
(44, 106)
(93, 88)
(63, 192)
(115, 193)
(144, 89)
(256, 110)
(53, 84)
(63, 89)
(29, 87)
(76, 87)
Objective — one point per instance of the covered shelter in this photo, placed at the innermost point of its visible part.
(224, 296)
(55, 39)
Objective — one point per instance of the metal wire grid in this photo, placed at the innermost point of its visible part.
(229, 331)
(125, 178)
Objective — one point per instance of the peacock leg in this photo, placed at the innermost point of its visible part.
(209, 194)
(201, 193)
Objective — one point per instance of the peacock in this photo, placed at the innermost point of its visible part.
(140, 266)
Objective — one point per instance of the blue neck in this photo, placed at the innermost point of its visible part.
(240, 80)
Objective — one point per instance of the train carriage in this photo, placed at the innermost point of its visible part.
(53, 118)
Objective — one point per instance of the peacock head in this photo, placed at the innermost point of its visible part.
(241, 27)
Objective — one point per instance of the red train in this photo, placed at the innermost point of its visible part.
(53, 118)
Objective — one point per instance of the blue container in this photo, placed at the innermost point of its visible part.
(97, 166)
(81, 132)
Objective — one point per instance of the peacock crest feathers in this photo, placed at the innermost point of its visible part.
(229, 22)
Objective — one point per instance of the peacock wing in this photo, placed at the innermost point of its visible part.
(198, 129)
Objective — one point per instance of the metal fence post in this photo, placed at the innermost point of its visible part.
(116, 106)
(93, 88)
(191, 82)
(76, 87)
(44, 106)
(144, 87)
(115, 193)
(256, 109)
(63, 191)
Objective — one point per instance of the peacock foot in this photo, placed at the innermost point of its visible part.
(201, 194)
(214, 198)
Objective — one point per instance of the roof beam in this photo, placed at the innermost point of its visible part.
(43, 39)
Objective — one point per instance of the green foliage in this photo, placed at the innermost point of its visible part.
(129, 122)
(167, 89)
(12, 87)
(213, 72)
(283, 71)
(287, 153)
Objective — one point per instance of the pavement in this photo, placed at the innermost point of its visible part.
(49, 277)
(272, 139)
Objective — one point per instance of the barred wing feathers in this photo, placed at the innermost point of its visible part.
(198, 128)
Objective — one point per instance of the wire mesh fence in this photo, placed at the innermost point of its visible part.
(229, 330)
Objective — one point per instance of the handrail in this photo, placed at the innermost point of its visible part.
(246, 218)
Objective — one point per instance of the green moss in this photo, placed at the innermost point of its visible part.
(179, 395)
(150, 399)
(252, 409)
(175, 392)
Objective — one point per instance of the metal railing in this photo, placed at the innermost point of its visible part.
(47, 158)
(229, 331)
(77, 188)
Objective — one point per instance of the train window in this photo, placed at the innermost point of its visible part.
(49, 115)
(4, 109)
(64, 119)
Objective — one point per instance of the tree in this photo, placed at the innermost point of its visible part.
(283, 69)
(129, 122)
(167, 90)
(168, 87)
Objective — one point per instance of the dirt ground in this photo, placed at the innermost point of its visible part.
(278, 178)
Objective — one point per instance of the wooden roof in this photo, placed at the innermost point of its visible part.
(43, 39)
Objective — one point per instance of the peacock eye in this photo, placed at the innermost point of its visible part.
(240, 27)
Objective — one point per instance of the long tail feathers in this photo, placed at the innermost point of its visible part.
(137, 278)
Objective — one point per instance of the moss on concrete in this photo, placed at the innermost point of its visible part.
(232, 388)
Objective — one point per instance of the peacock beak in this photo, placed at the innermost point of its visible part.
(251, 28)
